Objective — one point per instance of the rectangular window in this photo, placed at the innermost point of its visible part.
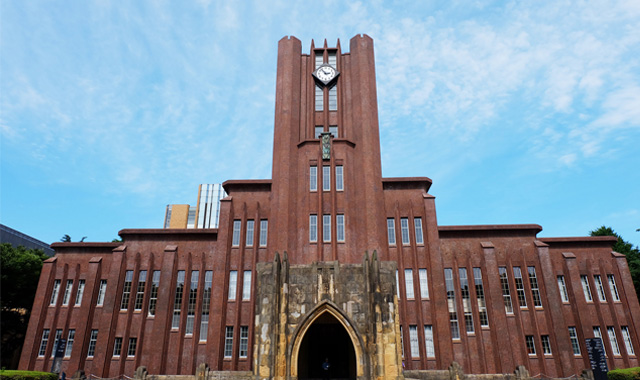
(626, 336)
(339, 178)
(586, 289)
(613, 288)
(326, 228)
(264, 228)
(451, 302)
(340, 227)
(397, 285)
(535, 290)
(67, 293)
(249, 238)
(332, 58)
(428, 341)
(391, 231)
(517, 275)
(573, 336)
(142, 282)
(417, 226)
(599, 288)
(244, 341)
(70, 338)
(228, 341)
(598, 334)
(101, 292)
(93, 339)
(233, 284)
(54, 293)
(482, 303)
(126, 290)
(404, 229)
(326, 178)
(402, 341)
(235, 240)
(546, 344)
(424, 285)
(531, 347)
(333, 98)
(319, 58)
(191, 305)
(153, 298)
(313, 228)
(177, 302)
(117, 346)
(506, 294)
(408, 283)
(246, 285)
(413, 341)
(313, 178)
(319, 98)
(56, 339)
(131, 349)
(612, 339)
(206, 304)
(466, 300)
(562, 287)
(318, 130)
(79, 293)
(333, 129)
(44, 341)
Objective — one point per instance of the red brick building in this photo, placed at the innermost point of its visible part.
(328, 259)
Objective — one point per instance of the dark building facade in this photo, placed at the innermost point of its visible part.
(328, 260)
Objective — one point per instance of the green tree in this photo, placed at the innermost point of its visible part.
(20, 271)
(65, 238)
(621, 246)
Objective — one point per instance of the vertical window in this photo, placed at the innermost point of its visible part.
(142, 282)
(79, 293)
(599, 288)
(333, 129)
(402, 341)
(326, 228)
(612, 339)
(206, 304)
(167, 217)
(333, 98)
(598, 334)
(131, 349)
(339, 178)
(233, 284)
(531, 347)
(70, 338)
(54, 293)
(586, 289)
(318, 130)
(573, 336)
(546, 344)
(313, 178)
(326, 178)
(466, 299)
(177, 302)
(235, 240)
(244, 341)
(249, 238)
(126, 290)
(319, 58)
(626, 336)
(506, 294)
(319, 98)
(613, 288)
(408, 283)
(413, 341)
(451, 302)
(44, 341)
(228, 341)
(56, 339)
(264, 228)
(417, 226)
(246, 285)
(313, 228)
(101, 292)
(397, 285)
(153, 298)
(93, 339)
(424, 285)
(191, 305)
(562, 286)
(517, 275)
(535, 290)
(404, 229)
(340, 227)
(428, 341)
(117, 346)
(482, 303)
(391, 231)
(67, 293)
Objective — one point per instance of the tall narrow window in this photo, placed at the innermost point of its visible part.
(402, 342)
(206, 304)
(586, 289)
(177, 301)
(244, 341)
(228, 341)
(249, 238)
(424, 285)
(101, 292)
(326, 228)
(333, 129)
(613, 340)
(397, 285)
(70, 338)
(246, 285)
(333, 98)
(318, 130)
(44, 341)
(391, 231)
(599, 288)
(55, 292)
(413, 341)
(613, 288)
(562, 287)
(131, 349)
(319, 58)
(339, 178)
(531, 347)
(235, 240)
(626, 336)
(466, 299)
(404, 229)
(598, 334)
(67, 293)
(428, 341)
(117, 346)
(79, 293)
(482, 303)
(506, 294)
(451, 302)
(126, 290)
(408, 283)
(332, 58)
(264, 228)
(535, 290)
(153, 298)
(313, 228)
(319, 98)
(417, 225)
(313, 178)
(326, 178)
(517, 275)
(573, 336)
(546, 344)
(142, 282)
(93, 339)
(233, 284)
(340, 227)
(56, 339)
(191, 305)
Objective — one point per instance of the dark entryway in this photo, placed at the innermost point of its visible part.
(326, 338)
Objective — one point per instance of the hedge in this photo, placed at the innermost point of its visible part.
(27, 375)
(625, 374)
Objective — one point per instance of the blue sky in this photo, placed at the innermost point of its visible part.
(520, 112)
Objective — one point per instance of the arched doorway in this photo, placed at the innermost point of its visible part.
(326, 338)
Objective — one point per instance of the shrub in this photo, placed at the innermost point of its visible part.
(625, 374)
(27, 375)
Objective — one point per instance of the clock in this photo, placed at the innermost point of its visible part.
(326, 74)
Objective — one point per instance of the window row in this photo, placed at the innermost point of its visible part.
(319, 129)
(586, 288)
(249, 232)
(326, 228)
(404, 231)
(333, 91)
(519, 281)
(243, 349)
(613, 339)
(414, 342)
(409, 284)
(468, 295)
(326, 178)
(91, 347)
(66, 298)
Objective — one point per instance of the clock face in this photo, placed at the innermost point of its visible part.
(325, 74)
